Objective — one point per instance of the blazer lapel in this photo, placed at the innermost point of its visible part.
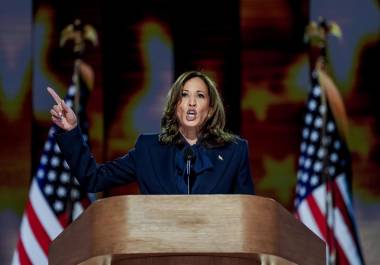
(206, 182)
(162, 158)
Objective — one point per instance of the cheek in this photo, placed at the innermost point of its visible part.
(204, 114)
(178, 111)
(206, 109)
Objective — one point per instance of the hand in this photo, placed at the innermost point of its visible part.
(61, 114)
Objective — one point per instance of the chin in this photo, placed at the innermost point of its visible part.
(191, 125)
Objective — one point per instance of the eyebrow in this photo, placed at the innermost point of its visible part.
(198, 91)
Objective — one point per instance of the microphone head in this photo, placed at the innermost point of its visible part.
(189, 154)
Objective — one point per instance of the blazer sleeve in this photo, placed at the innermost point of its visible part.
(95, 177)
(243, 181)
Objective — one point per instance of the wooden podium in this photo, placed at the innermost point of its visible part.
(195, 229)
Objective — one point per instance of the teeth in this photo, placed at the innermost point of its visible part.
(190, 115)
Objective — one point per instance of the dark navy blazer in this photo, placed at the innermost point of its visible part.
(152, 165)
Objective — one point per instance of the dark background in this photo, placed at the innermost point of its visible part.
(253, 49)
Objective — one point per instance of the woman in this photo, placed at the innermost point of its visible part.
(192, 154)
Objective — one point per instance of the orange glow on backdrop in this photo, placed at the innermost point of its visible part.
(142, 109)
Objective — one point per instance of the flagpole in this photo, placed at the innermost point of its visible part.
(323, 201)
(321, 64)
(78, 33)
(316, 35)
(329, 189)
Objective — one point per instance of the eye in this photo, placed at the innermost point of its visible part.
(184, 94)
(200, 95)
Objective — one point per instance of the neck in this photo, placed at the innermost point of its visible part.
(190, 135)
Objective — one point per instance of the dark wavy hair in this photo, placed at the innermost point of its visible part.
(212, 133)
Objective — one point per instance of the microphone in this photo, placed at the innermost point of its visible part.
(189, 157)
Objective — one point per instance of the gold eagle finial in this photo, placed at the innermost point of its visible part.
(79, 34)
(316, 32)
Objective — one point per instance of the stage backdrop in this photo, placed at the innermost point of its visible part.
(253, 49)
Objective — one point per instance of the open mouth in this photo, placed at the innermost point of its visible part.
(191, 115)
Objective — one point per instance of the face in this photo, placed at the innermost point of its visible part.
(194, 105)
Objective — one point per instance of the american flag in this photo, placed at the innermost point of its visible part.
(323, 193)
(55, 199)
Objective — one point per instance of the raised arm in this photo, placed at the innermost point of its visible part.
(92, 176)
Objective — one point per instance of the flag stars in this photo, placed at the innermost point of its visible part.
(337, 144)
(305, 133)
(302, 191)
(305, 177)
(54, 161)
(61, 192)
(308, 119)
(58, 206)
(329, 157)
(44, 160)
(318, 122)
(322, 109)
(303, 147)
(310, 150)
(330, 126)
(334, 157)
(40, 173)
(312, 105)
(314, 136)
(317, 166)
(331, 170)
(65, 178)
(71, 91)
(47, 146)
(307, 163)
(51, 132)
(69, 103)
(321, 153)
(301, 160)
(317, 91)
(314, 180)
(74, 194)
(52, 175)
(49, 190)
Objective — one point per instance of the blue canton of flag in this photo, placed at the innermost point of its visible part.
(323, 193)
(55, 199)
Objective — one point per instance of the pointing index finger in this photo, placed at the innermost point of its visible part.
(54, 95)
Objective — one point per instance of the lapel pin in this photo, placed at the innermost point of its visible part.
(220, 157)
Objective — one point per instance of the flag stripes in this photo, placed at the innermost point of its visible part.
(31, 245)
(49, 222)
(37, 228)
(323, 200)
(53, 192)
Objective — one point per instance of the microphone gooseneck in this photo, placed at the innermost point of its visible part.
(189, 157)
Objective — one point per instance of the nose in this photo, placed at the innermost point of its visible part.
(192, 102)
